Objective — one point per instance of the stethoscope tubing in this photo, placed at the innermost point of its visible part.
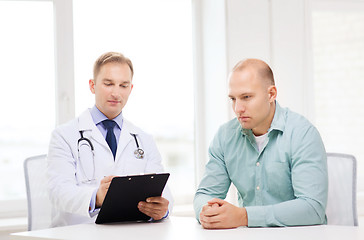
(138, 153)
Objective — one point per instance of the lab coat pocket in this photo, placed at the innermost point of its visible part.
(134, 165)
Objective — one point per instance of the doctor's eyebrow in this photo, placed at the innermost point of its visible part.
(112, 81)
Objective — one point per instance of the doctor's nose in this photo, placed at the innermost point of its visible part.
(115, 92)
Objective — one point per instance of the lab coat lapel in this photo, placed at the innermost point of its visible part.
(86, 124)
(124, 139)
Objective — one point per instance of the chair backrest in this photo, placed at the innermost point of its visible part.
(341, 204)
(39, 205)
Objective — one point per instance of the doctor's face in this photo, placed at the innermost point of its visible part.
(112, 88)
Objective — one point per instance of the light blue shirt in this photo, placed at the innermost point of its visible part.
(284, 184)
(98, 117)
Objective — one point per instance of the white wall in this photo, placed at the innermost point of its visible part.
(229, 31)
(274, 31)
(210, 75)
(65, 93)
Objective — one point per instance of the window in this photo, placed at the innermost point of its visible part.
(338, 49)
(27, 89)
(156, 36)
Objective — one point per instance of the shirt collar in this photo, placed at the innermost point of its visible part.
(98, 117)
(278, 122)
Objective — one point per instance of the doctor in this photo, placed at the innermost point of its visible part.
(87, 152)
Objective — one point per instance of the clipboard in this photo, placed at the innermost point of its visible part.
(124, 194)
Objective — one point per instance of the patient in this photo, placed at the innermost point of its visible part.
(273, 156)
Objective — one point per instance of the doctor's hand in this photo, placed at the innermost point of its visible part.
(218, 213)
(155, 207)
(101, 192)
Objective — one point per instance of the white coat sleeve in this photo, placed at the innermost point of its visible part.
(154, 165)
(65, 194)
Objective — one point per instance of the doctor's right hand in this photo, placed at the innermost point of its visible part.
(101, 192)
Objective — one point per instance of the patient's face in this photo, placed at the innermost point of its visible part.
(251, 100)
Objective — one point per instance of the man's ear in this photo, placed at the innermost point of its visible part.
(272, 91)
(91, 84)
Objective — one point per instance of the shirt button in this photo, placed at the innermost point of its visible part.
(258, 164)
(258, 187)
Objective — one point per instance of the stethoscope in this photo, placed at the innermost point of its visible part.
(138, 153)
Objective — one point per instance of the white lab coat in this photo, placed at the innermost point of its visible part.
(69, 193)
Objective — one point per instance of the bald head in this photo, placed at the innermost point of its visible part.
(257, 67)
(252, 93)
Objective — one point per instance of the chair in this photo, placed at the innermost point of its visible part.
(341, 204)
(39, 205)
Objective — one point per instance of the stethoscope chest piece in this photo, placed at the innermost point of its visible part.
(139, 153)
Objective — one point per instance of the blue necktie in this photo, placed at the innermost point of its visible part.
(110, 136)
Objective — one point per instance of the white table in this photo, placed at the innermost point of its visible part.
(188, 228)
